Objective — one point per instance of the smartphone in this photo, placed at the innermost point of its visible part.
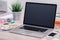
(52, 34)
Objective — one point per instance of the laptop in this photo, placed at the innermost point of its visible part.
(39, 19)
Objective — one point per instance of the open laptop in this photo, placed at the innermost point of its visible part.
(39, 19)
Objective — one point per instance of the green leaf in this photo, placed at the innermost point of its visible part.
(16, 7)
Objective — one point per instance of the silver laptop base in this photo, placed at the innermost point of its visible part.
(30, 33)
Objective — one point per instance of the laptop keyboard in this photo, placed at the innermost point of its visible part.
(33, 29)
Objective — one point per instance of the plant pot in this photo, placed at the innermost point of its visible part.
(16, 15)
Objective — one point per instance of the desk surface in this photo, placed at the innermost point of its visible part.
(6, 35)
(10, 36)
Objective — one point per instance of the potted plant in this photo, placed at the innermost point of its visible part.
(16, 9)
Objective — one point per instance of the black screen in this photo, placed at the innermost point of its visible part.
(40, 14)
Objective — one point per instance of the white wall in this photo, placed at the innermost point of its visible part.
(44, 1)
(9, 2)
(3, 6)
(40, 1)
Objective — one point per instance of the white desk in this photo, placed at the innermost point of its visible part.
(6, 35)
(10, 36)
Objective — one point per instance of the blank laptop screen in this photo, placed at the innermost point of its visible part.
(40, 14)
